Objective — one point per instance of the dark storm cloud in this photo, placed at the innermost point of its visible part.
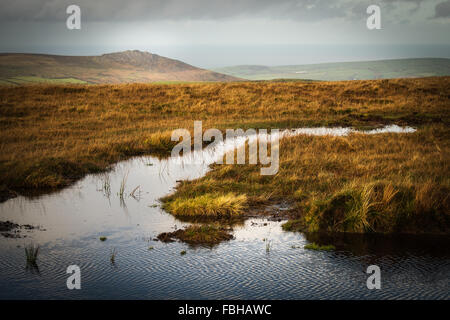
(442, 10)
(137, 10)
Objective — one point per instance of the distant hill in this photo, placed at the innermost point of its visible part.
(127, 66)
(364, 70)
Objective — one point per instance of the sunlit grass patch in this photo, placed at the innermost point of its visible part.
(53, 135)
(213, 205)
(160, 143)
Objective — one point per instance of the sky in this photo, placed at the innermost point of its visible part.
(210, 33)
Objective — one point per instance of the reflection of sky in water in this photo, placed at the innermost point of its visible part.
(75, 217)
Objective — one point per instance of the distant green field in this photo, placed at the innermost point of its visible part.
(178, 82)
(30, 79)
(364, 70)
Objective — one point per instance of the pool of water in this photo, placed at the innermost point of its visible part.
(73, 219)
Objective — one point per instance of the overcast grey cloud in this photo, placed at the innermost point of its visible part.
(443, 10)
(118, 10)
(135, 10)
(212, 33)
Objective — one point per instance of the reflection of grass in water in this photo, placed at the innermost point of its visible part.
(31, 253)
(106, 185)
(135, 195)
(112, 256)
(122, 186)
(268, 245)
(315, 246)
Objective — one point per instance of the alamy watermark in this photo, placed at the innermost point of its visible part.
(374, 280)
(74, 280)
(374, 20)
(73, 22)
(258, 142)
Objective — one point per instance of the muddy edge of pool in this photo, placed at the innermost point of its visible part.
(10, 229)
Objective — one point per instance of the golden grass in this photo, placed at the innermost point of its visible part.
(207, 205)
(360, 183)
(52, 135)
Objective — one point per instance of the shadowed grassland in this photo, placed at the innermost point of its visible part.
(317, 247)
(52, 135)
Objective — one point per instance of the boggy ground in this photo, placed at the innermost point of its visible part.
(53, 135)
(388, 183)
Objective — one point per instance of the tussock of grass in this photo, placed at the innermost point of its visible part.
(377, 207)
(293, 225)
(31, 253)
(315, 246)
(210, 234)
(211, 205)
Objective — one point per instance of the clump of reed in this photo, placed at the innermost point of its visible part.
(112, 255)
(123, 184)
(31, 253)
(106, 185)
(268, 245)
(136, 193)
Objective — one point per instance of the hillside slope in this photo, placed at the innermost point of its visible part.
(363, 70)
(127, 66)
